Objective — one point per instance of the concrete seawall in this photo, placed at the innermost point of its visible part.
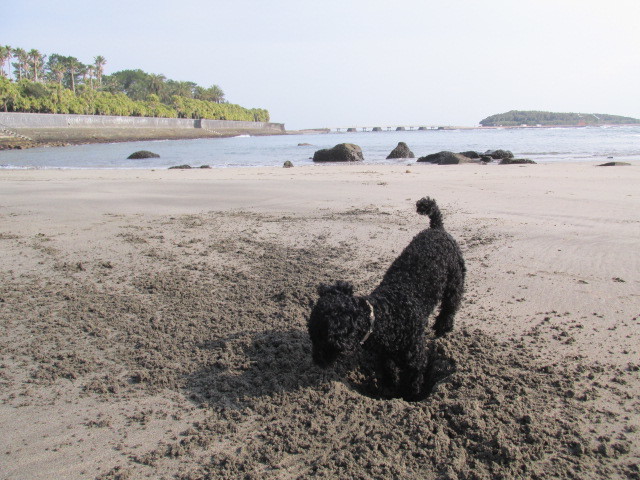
(62, 129)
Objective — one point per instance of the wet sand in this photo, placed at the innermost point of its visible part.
(153, 324)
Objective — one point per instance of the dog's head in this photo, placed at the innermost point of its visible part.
(332, 323)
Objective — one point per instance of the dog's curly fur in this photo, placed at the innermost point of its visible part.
(430, 271)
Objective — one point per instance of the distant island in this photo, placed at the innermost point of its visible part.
(516, 118)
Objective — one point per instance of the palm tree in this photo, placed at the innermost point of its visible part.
(73, 68)
(212, 94)
(91, 70)
(182, 89)
(156, 83)
(99, 63)
(84, 71)
(5, 57)
(36, 59)
(22, 64)
(216, 93)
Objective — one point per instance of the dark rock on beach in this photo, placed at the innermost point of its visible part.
(401, 151)
(470, 154)
(614, 164)
(445, 158)
(143, 154)
(515, 161)
(180, 167)
(499, 154)
(343, 152)
(288, 164)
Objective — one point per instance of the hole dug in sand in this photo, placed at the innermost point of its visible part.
(360, 373)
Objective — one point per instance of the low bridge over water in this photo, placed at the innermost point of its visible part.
(397, 128)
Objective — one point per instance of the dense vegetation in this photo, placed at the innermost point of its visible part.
(520, 117)
(61, 84)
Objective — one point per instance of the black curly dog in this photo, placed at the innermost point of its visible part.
(391, 322)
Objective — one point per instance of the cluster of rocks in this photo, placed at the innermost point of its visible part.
(348, 152)
(187, 167)
(141, 154)
(505, 157)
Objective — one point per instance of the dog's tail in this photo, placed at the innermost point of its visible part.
(428, 206)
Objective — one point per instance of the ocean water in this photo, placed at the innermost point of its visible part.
(543, 145)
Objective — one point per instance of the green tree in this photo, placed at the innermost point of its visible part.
(36, 62)
(156, 83)
(133, 83)
(63, 84)
(99, 62)
(183, 89)
(8, 93)
(22, 64)
(84, 72)
(212, 94)
(56, 68)
(91, 70)
(74, 67)
(5, 57)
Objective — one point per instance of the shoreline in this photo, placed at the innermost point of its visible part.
(66, 136)
(62, 137)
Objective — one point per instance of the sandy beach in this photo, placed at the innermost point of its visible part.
(153, 323)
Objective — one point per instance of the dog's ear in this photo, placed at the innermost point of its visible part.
(338, 287)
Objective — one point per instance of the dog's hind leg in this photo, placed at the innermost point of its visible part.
(451, 299)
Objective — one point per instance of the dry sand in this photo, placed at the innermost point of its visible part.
(153, 324)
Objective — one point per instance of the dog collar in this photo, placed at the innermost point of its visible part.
(372, 319)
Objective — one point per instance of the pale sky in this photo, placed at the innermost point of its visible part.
(330, 63)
